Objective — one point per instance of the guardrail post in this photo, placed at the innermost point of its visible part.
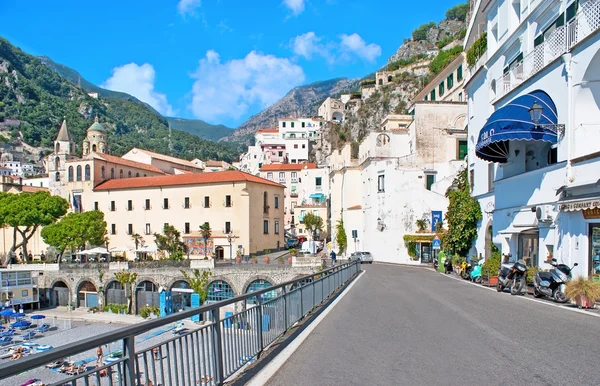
(129, 362)
(301, 303)
(260, 325)
(217, 348)
(285, 307)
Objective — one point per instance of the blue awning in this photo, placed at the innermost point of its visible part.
(513, 123)
(316, 195)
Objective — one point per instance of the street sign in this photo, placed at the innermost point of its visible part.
(436, 216)
(437, 243)
(354, 234)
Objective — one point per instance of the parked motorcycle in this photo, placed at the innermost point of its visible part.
(448, 265)
(436, 264)
(552, 283)
(466, 269)
(513, 275)
(476, 273)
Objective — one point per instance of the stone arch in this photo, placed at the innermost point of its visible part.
(141, 280)
(86, 292)
(220, 289)
(382, 140)
(55, 283)
(181, 294)
(94, 147)
(172, 282)
(261, 284)
(337, 116)
(389, 78)
(60, 293)
(254, 278)
(114, 293)
(459, 121)
(146, 292)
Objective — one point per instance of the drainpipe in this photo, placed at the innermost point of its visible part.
(570, 130)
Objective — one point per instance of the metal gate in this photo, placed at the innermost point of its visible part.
(146, 298)
(59, 297)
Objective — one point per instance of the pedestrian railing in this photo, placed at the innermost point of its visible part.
(204, 353)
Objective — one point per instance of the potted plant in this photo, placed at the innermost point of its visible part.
(549, 256)
(457, 261)
(585, 292)
(280, 260)
(238, 256)
(293, 252)
(490, 268)
(267, 259)
(253, 260)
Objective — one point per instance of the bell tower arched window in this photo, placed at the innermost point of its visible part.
(87, 172)
(78, 173)
(70, 175)
(103, 172)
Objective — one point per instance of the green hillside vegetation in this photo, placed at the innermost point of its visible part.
(443, 58)
(40, 98)
(200, 128)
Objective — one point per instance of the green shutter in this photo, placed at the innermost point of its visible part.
(430, 180)
(459, 74)
(462, 149)
(432, 95)
(450, 81)
(441, 88)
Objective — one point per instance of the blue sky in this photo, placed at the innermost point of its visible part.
(217, 60)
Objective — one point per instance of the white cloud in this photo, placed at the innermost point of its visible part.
(309, 45)
(188, 7)
(139, 81)
(296, 6)
(357, 45)
(229, 89)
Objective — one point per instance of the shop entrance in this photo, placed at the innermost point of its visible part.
(594, 249)
(529, 247)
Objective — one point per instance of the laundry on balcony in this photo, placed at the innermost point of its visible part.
(513, 122)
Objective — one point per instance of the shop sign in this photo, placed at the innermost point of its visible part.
(591, 213)
(580, 205)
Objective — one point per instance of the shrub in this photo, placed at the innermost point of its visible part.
(443, 58)
(115, 308)
(367, 82)
(477, 50)
(457, 260)
(146, 311)
(491, 266)
(583, 287)
(444, 42)
(458, 12)
(421, 32)
(405, 62)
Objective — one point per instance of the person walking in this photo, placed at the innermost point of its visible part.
(333, 257)
(99, 353)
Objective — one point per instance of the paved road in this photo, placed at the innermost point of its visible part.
(412, 326)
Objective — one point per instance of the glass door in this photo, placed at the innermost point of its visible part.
(528, 248)
(594, 237)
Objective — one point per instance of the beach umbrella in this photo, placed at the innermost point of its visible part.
(37, 316)
(21, 324)
(7, 312)
(18, 315)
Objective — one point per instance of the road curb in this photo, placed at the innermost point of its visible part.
(263, 376)
(584, 312)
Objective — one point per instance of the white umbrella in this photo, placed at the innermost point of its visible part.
(147, 248)
(84, 252)
(120, 249)
(98, 251)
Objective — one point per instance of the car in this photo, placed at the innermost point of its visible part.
(363, 257)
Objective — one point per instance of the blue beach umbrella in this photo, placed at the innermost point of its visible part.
(20, 324)
(37, 316)
(7, 313)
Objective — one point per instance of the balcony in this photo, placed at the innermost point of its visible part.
(294, 194)
(561, 41)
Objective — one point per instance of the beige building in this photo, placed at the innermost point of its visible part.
(247, 207)
(332, 110)
(447, 86)
(396, 122)
(168, 164)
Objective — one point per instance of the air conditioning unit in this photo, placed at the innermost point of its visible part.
(543, 213)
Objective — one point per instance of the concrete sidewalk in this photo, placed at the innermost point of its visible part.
(83, 315)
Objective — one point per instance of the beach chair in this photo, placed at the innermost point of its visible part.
(43, 328)
(29, 335)
(54, 365)
(5, 340)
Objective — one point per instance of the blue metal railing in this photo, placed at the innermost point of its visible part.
(205, 354)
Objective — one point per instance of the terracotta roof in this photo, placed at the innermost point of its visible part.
(125, 162)
(167, 158)
(354, 207)
(212, 163)
(32, 189)
(183, 179)
(268, 131)
(283, 167)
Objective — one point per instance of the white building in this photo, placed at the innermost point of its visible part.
(537, 185)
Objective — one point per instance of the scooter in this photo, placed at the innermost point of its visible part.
(466, 268)
(512, 275)
(476, 273)
(436, 264)
(447, 265)
(552, 284)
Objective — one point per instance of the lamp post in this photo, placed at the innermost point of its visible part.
(535, 113)
(230, 239)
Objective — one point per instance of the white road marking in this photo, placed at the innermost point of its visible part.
(269, 370)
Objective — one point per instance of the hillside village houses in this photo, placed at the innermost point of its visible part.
(533, 129)
(402, 172)
(143, 190)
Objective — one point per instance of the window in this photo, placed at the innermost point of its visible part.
(491, 177)
(426, 97)
(459, 74)
(280, 154)
(147, 204)
(206, 201)
(432, 95)
(461, 149)
(514, 63)
(121, 173)
(282, 124)
(113, 207)
(186, 203)
(186, 228)
(270, 176)
(70, 175)
(57, 176)
(129, 205)
(137, 174)
(87, 172)
(112, 172)
(227, 227)
(292, 125)
(102, 172)
(78, 173)
(96, 205)
(265, 203)
(552, 156)
(165, 203)
(381, 183)
(441, 87)
(295, 146)
(294, 176)
(318, 181)
(265, 226)
(228, 201)
(430, 180)
(24, 293)
(304, 145)
(281, 176)
(113, 229)
(276, 227)
(450, 81)
(302, 124)
(276, 205)
(129, 229)
(219, 290)
(129, 174)
(460, 96)
(148, 230)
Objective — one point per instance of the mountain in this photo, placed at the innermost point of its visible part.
(200, 128)
(302, 101)
(39, 98)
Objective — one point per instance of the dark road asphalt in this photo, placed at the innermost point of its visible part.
(412, 326)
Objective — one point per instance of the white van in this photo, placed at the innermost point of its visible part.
(309, 247)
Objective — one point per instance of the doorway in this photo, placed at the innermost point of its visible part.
(594, 249)
(528, 248)
(220, 252)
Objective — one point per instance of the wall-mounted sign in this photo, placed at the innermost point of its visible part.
(436, 216)
(591, 213)
(580, 205)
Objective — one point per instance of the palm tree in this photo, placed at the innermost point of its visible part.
(206, 233)
(137, 239)
(198, 282)
(127, 279)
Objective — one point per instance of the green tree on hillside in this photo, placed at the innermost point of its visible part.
(420, 33)
(458, 12)
(26, 212)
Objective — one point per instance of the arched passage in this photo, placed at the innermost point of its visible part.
(257, 285)
(87, 294)
(181, 293)
(220, 253)
(219, 290)
(59, 294)
(146, 294)
(337, 116)
(115, 293)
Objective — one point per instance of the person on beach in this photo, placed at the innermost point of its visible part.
(99, 353)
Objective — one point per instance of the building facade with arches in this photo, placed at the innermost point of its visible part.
(537, 181)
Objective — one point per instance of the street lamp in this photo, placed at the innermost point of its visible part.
(535, 113)
(230, 239)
